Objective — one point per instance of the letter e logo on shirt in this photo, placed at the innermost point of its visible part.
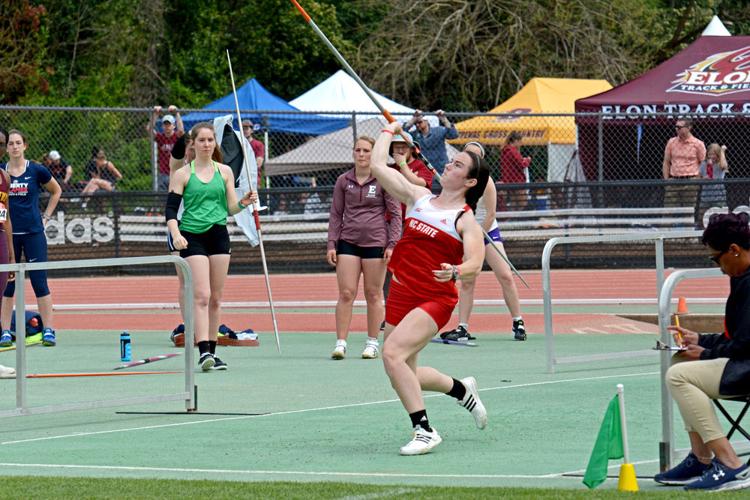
(371, 193)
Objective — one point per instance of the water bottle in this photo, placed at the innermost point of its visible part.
(125, 346)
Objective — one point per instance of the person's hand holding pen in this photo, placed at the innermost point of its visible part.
(686, 338)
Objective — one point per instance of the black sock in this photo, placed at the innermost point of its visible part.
(203, 347)
(458, 390)
(419, 419)
(212, 346)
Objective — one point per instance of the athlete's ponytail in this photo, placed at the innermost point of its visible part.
(481, 173)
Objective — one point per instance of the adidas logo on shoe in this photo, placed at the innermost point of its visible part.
(422, 442)
(472, 402)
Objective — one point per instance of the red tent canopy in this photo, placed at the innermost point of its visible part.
(634, 121)
(712, 75)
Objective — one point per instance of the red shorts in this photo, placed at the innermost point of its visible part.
(401, 301)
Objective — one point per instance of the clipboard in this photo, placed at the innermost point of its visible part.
(661, 346)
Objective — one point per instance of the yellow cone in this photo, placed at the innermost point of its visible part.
(627, 480)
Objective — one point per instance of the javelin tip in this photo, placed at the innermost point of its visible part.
(302, 11)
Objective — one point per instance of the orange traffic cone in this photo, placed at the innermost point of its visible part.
(682, 306)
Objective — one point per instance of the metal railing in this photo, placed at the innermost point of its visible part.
(22, 407)
(658, 240)
(666, 446)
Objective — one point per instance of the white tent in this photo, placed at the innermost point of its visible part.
(716, 28)
(341, 93)
(328, 152)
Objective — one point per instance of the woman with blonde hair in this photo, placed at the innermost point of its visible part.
(714, 167)
(360, 243)
(206, 188)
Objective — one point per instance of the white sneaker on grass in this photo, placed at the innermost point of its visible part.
(422, 442)
(371, 349)
(472, 402)
(339, 352)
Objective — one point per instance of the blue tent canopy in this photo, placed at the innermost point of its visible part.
(252, 96)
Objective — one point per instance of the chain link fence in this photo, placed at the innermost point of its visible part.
(587, 174)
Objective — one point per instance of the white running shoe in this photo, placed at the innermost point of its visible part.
(6, 372)
(472, 402)
(339, 352)
(422, 442)
(371, 349)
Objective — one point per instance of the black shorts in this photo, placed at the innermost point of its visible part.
(214, 241)
(346, 248)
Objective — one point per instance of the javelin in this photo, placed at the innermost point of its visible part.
(152, 359)
(94, 374)
(388, 116)
(255, 210)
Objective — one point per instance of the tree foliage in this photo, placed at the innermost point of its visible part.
(454, 54)
(23, 38)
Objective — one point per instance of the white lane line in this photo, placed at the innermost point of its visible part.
(306, 410)
(281, 473)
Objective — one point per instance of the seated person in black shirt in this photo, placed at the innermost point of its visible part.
(100, 173)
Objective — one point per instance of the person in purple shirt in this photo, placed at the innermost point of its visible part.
(360, 242)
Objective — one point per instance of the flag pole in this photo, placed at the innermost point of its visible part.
(256, 207)
(623, 426)
(627, 480)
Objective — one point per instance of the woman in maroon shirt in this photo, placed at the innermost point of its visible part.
(514, 169)
(360, 242)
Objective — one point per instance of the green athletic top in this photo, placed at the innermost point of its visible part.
(205, 202)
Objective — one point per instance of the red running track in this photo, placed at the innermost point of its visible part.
(566, 284)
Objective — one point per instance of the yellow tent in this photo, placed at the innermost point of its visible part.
(538, 96)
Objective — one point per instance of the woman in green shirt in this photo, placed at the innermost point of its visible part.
(206, 188)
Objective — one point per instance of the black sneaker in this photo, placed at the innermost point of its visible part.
(206, 361)
(219, 364)
(460, 334)
(179, 330)
(519, 330)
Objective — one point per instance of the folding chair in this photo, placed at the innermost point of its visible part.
(736, 421)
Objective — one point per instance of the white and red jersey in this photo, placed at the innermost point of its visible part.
(430, 238)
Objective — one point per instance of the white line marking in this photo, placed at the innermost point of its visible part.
(283, 473)
(306, 410)
(361, 303)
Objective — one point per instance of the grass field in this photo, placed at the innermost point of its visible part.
(29, 487)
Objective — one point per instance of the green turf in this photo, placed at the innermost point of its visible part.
(29, 487)
(329, 421)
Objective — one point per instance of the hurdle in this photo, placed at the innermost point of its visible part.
(658, 240)
(22, 406)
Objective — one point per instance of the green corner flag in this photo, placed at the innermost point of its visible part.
(608, 446)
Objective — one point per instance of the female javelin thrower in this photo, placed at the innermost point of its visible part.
(206, 187)
(438, 231)
(486, 217)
